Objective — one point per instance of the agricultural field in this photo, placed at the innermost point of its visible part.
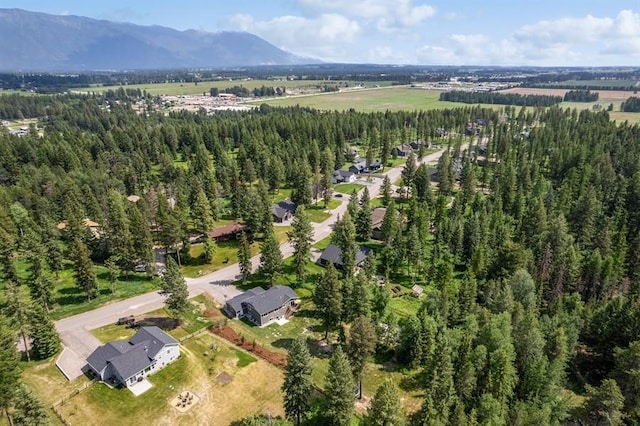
(204, 86)
(613, 84)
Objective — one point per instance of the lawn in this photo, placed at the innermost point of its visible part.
(68, 299)
(225, 254)
(347, 188)
(254, 389)
(319, 213)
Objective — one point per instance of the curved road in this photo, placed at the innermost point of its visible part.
(78, 342)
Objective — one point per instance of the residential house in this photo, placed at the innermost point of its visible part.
(231, 231)
(343, 176)
(128, 362)
(417, 290)
(415, 145)
(93, 227)
(262, 307)
(333, 254)
(401, 150)
(283, 211)
(377, 217)
(361, 167)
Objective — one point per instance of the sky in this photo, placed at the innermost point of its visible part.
(436, 32)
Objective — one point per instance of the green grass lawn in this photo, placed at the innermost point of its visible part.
(347, 188)
(318, 213)
(68, 299)
(281, 195)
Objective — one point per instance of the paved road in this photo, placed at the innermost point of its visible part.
(75, 331)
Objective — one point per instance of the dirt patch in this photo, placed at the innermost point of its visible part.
(229, 334)
(362, 405)
(212, 313)
(224, 378)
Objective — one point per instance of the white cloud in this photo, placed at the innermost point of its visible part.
(388, 14)
(324, 36)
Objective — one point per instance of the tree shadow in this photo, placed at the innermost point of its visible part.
(164, 323)
(282, 343)
(410, 383)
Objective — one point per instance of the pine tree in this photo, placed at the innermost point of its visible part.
(113, 273)
(9, 370)
(28, 410)
(208, 250)
(386, 191)
(604, 405)
(18, 313)
(46, 341)
(339, 390)
(85, 275)
(363, 218)
(386, 407)
(409, 171)
(40, 285)
(297, 386)
(328, 298)
(174, 288)
(359, 299)
(301, 238)
(142, 244)
(270, 256)
(119, 238)
(360, 346)
(344, 236)
(244, 257)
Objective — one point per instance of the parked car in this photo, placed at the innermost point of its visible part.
(140, 268)
(130, 319)
(337, 195)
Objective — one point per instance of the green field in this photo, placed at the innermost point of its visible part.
(612, 84)
(204, 86)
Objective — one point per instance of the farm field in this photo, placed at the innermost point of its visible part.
(613, 84)
(204, 86)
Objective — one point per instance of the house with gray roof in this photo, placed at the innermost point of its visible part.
(333, 254)
(127, 362)
(283, 211)
(262, 307)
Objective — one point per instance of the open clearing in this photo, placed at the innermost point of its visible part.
(254, 388)
(618, 95)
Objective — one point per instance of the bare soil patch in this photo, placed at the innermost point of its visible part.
(230, 335)
(211, 313)
(224, 378)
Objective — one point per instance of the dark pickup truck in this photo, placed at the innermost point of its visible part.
(126, 320)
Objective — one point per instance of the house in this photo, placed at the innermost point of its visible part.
(93, 227)
(232, 231)
(133, 198)
(262, 307)
(333, 254)
(283, 211)
(401, 150)
(343, 176)
(417, 290)
(128, 362)
(415, 145)
(377, 217)
(361, 167)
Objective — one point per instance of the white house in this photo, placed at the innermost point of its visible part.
(128, 362)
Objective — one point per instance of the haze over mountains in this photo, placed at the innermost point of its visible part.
(35, 41)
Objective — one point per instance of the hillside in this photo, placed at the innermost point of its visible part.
(41, 42)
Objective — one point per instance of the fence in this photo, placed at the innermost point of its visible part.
(67, 399)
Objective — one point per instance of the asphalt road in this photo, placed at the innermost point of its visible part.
(75, 331)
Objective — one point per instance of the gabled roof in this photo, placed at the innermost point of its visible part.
(283, 207)
(333, 254)
(343, 173)
(377, 216)
(231, 228)
(136, 359)
(99, 358)
(236, 302)
(156, 338)
(272, 299)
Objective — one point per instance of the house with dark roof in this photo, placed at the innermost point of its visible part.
(343, 176)
(333, 254)
(128, 362)
(377, 217)
(262, 307)
(283, 211)
(231, 231)
(401, 150)
(361, 167)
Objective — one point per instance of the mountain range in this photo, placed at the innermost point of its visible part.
(34, 41)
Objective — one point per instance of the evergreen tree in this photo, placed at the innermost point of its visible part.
(301, 238)
(9, 370)
(344, 236)
(409, 171)
(328, 299)
(46, 341)
(386, 191)
(363, 218)
(358, 303)
(119, 239)
(360, 346)
(339, 390)
(174, 288)
(85, 275)
(244, 257)
(40, 285)
(28, 410)
(208, 250)
(627, 375)
(386, 408)
(17, 311)
(297, 386)
(270, 256)
(142, 244)
(604, 405)
(113, 273)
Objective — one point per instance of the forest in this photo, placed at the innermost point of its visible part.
(580, 96)
(500, 98)
(529, 246)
